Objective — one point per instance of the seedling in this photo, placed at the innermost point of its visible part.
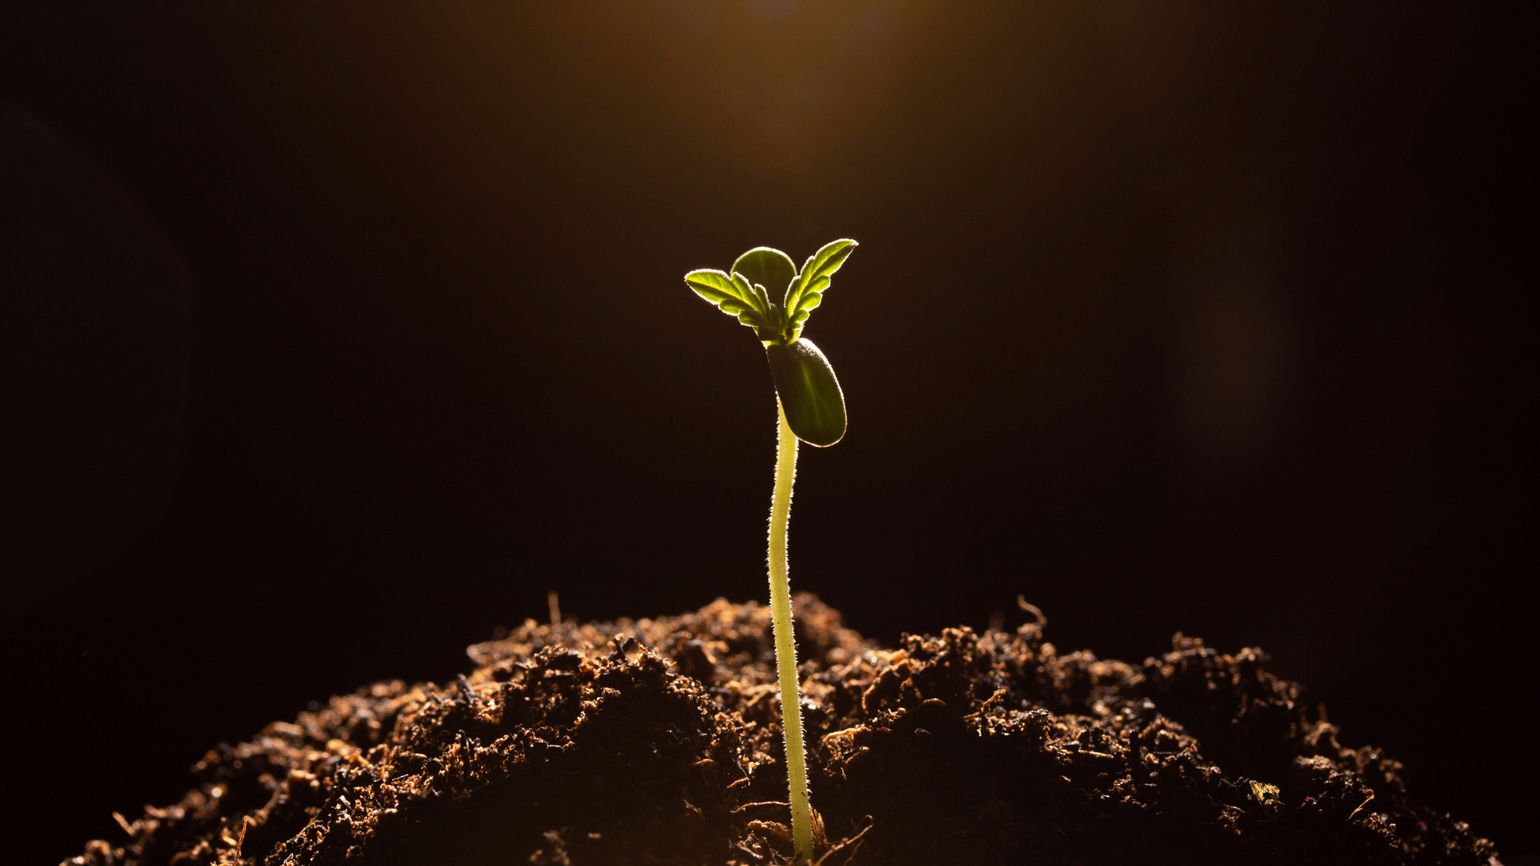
(766, 292)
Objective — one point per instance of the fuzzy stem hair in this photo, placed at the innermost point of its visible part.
(785, 645)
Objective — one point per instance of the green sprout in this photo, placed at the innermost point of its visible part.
(811, 408)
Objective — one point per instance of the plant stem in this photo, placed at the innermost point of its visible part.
(785, 646)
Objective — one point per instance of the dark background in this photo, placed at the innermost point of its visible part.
(335, 335)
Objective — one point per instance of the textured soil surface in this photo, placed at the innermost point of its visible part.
(658, 741)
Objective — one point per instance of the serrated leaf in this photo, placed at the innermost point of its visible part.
(733, 296)
(819, 266)
(706, 280)
(762, 295)
(806, 291)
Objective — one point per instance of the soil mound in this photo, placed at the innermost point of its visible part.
(657, 741)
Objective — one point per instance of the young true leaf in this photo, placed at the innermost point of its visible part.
(737, 299)
(770, 272)
(806, 292)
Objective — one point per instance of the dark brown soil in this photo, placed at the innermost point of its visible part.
(657, 741)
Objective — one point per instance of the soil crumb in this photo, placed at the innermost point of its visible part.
(657, 741)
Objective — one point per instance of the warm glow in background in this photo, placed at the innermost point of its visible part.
(342, 333)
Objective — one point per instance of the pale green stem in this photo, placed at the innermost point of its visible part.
(785, 646)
